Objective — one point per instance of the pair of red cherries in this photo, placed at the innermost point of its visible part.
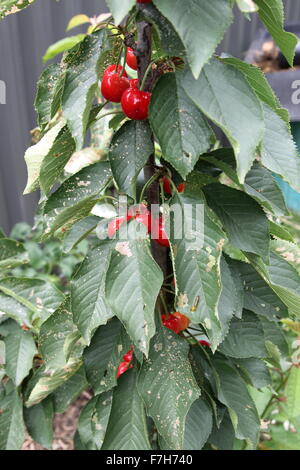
(126, 363)
(117, 88)
(143, 216)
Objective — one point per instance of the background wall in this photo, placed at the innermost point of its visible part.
(23, 40)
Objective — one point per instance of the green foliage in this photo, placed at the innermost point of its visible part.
(75, 302)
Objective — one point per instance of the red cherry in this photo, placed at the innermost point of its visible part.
(123, 367)
(111, 69)
(183, 320)
(115, 224)
(144, 1)
(128, 356)
(113, 85)
(204, 343)
(171, 322)
(167, 185)
(159, 234)
(131, 59)
(180, 188)
(135, 103)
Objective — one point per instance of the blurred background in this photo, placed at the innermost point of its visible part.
(24, 39)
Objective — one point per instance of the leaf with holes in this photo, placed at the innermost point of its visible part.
(93, 421)
(167, 386)
(76, 197)
(133, 270)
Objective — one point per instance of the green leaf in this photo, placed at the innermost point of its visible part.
(130, 148)
(198, 425)
(46, 102)
(64, 395)
(223, 437)
(93, 421)
(89, 306)
(15, 310)
(54, 162)
(180, 128)
(42, 384)
(39, 422)
(274, 334)
(79, 232)
(258, 296)
(278, 150)
(167, 386)
(8, 7)
(82, 73)
(244, 221)
(77, 20)
(103, 356)
(12, 430)
(282, 439)
(170, 42)
(76, 197)
(260, 85)
(19, 352)
(61, 46)
(262, 186)
(209, 19)
(35, 155)
(293, 392)
(12, 253)
(233, 393)
(53, 335)
(197, 260)
(245, 338)
(282, 278)
(255, 371)
(281, 232)
(271, 13)
(230, 302)
(39, 297)
(259, 182)
(224, 95)
(133, 283)
(127, 429)
(120, 10)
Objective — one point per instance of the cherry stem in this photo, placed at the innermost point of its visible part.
(148, 183)
(108, 114)
(161, 296)
(148, 69)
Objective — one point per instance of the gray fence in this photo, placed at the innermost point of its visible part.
(23, 40)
